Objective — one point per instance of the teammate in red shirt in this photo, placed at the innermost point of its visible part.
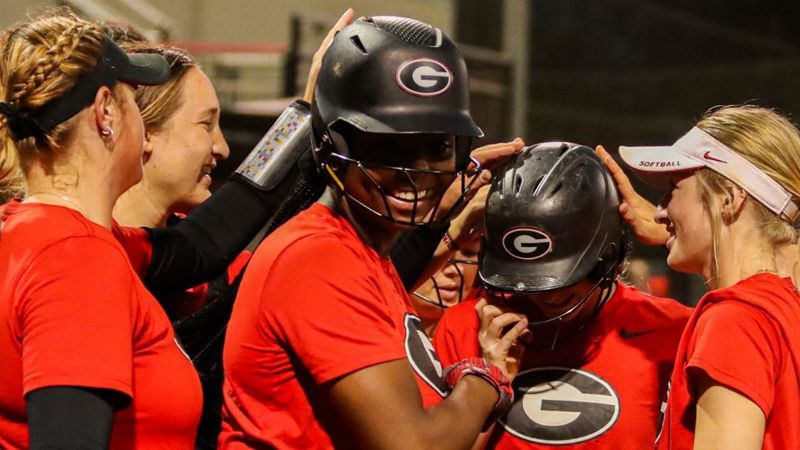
(81, 336)
(72, 303)
(323, 348)
(595, 374)
(183, 143)
(733, 185)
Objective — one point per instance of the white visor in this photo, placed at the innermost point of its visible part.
(697, 149)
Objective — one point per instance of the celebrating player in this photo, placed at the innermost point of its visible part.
(81, 336)
(554, 246)
(323, 348)
(731, 209)
(455, 281)
(85, 343)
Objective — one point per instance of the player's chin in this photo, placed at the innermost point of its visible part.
(409, 212)
(192, 200)
(200, 195)
(674, 258)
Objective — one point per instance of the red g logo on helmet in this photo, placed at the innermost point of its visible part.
(424, 77)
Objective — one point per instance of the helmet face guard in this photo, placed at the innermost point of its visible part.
(464, 180)
(555, 323)
(552, 221)
(438, 301)
(393, 76)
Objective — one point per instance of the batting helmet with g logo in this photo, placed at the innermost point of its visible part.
(389, 75)
(552, 220)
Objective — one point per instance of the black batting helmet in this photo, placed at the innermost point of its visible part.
(390, 75)
(552, 220)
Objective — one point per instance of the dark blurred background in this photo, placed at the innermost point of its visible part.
(643, 71)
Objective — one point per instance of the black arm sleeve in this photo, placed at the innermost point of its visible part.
(203, 244)
(67, 418)
(413, 250)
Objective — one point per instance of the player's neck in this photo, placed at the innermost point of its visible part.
(375, 232)
(745, 252)
(136, 208)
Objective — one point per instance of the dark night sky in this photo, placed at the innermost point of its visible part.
(622, 34)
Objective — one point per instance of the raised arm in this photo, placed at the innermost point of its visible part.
(207, 241)
(636, 210)
(419, 254)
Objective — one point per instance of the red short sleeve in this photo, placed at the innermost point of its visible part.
(456, 335)
(327, 301)
(74, 317)
(238, 264)
(137, 245)
(737, 346)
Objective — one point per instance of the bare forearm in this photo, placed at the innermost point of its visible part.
(456, 422)
(360, 400)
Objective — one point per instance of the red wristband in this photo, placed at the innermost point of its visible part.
(449, 242)
(489, 372)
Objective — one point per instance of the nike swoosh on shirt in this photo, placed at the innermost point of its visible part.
(707, 155)
(625, 334)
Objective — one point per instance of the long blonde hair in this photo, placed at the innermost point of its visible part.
(769, 141)
(40, 60)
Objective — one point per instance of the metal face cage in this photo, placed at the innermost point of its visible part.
(434, 217)
(438, 302)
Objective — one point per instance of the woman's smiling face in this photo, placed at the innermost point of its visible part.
(690, 242)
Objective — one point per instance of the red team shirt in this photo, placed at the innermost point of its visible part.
(746, 338)
(601, 389)
(73, 312)
(315, 304)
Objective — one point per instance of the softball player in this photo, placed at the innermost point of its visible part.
(595, 371)
(324, 348)
(731, 208)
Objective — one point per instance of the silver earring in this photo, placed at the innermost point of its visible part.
(107, 132)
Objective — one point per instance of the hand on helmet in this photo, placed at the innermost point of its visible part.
(468, 224)
(491, 155)
(501, 349)
(488, 156)
(636, 210)
(316, 60)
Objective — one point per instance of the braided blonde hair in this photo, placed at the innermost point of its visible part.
(40, 60)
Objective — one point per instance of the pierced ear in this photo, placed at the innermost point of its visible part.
(104, 109)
